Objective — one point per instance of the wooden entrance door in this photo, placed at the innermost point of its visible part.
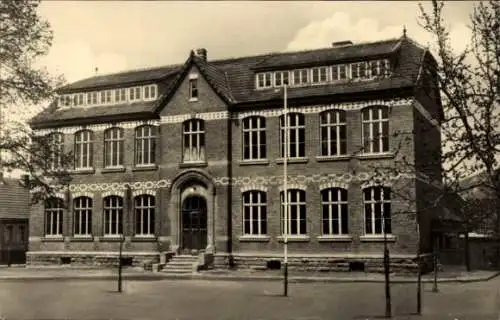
(194, 224)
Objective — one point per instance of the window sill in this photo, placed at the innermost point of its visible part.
(151, 167)
(335, 238)
(254, 162)
(193, 164)
(254, 238)
(145, 238)
(292, 160)
(332, 158)
(82, 238)
(116, 169)
(377, 238)
(381, 155)
(294, 238)
(53, 238)
(111, 238)
(193, 99)
(83, 171)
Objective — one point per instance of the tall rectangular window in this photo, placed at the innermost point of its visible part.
(193, 89)
(145, 145)
(82, 208)
(113, 147)
(375, 129)
(53, 217)
(335, 215)
(113, 216)
(83, 149)
(194, 141)
(377, 202)
(333, 133)
(254, 138)
(296, 135)
(254, 213)
(296, 222)
(144, 215)
(57, 149)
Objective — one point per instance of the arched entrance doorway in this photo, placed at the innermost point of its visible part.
(194, 224)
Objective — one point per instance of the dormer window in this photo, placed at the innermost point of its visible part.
(379, 68)
(106, 97)
(135, 93)
(121, 95)
(264, 80)
(150, 92)
(281, 78)
(300, 77)
(319, 75)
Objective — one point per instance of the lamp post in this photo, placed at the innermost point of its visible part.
(285, 195)
(120, 264)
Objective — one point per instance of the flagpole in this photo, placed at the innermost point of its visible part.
(285, 194)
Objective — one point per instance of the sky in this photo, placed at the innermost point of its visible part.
(115, 36)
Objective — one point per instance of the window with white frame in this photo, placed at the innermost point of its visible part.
(106, 97)
(254, 138)
(92, 98)
(56, 150)
(53, 217)
(78, 99)
(113, 216)
(144, 215)
(83, 149)
(193, 89)
(296, 222)
(319, 75)
(281, 78)
(82, 208)
(145, 145)
(150, 92)
(264, 80)
(377, 202)
(379, 68)
(296, 135)
(254, 213)
(113, 147)
(375, 129)
(120, 95)
(333, 133)
(300, 77)
(335, 214)
(194, 141)
(135, 93)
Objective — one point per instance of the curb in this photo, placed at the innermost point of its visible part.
(201, 276)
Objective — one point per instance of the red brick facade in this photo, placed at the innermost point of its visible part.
(224, 176)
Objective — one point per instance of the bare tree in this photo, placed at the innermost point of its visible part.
(24, 38)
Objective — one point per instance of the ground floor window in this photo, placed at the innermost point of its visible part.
(254, 213)
(113, 216)
(53, 217)
(334, 211)
(377, 202)
(296, 212)
(83, 216)
(144, 215)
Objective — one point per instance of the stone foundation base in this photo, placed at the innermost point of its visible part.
(322, 263)
(92, 259)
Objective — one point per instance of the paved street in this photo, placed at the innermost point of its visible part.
(217, 300)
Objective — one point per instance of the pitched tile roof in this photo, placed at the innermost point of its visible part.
(234, 80)
(14, 199)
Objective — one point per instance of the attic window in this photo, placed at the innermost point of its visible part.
(150, 92)
(281, 78)
(300, 77)
(193, 89)
(264, 80)
(135, 93)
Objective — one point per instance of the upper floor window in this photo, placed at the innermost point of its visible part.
(335, 215)
(379, 67)
(135, 93)
(333, 133)
(193, 89)
(79, 99)
(264, 80)
(254, 213)
(92, 98)
(340, 72)
(150, 92)
(281, 78)
(300, 77)
(53, 217)
(121, 95)
(82, 208)
(113, 215)
(144, 215)
(319, 75)
(254, 138)
(296, 135)
(83, 149)
(194, 141)
(375, 129)
(107, 97)
(377, 202)
(296, 212)
(56, 150)
(113, 147)
(145, 145)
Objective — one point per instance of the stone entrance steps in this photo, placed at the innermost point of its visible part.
(181, 264)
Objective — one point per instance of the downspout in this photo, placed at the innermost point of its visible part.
(229, 189)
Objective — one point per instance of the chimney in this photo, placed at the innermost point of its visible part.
(339, 44)
(202, 53)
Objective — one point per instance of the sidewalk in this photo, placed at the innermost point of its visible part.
(20, 273)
